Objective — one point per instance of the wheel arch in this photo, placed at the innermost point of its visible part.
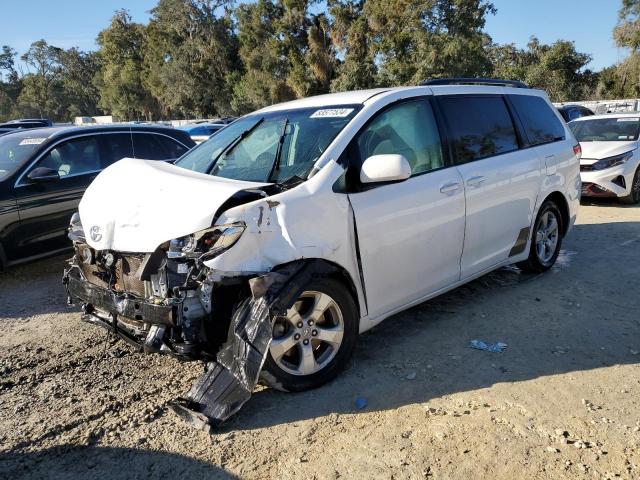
(336, 272)
(561, 202)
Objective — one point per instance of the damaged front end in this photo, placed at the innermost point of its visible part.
(160, 301)
(170, 302)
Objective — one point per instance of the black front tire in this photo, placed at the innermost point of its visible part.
(634, 195)
(275, 377)
(533, 263)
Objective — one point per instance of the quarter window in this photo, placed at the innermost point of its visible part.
(479, 127)
(175, 148)
(147, 147)
(408, 129)
(116, 147)
(540, 122)
(73, 157)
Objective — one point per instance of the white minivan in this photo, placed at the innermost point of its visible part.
(316, 219)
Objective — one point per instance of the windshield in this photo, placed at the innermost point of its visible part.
(619, 129)
(270, 147)
(15, 149)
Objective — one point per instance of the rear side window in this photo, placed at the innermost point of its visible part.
(148, 147)
(479, 127)
(540, 123)
(116, 147)
(175, 148)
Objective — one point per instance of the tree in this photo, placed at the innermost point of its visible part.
(77, 71)
(263, 80)
(189, 53)
(286, 52)
(350, 35)
(120, 79)
(558, 68)
(41, 88)
(10, 83)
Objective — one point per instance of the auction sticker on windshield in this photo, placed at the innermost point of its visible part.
(332, 113)
(32, 141)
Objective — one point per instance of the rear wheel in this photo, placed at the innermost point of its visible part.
(546, 239)
(314, 341)
(634, 194)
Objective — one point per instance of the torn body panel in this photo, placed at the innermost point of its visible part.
(228, 382)
(287, 227)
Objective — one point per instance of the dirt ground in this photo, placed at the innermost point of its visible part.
(562, 401)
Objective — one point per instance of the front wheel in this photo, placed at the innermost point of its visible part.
(545, 241)
(314, 341)
(634, 194)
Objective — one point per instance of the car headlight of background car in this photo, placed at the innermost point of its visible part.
(206, 244)
(610, 162)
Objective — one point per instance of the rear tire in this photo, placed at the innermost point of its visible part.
(546, 239)
(316, 339)
(634, 195)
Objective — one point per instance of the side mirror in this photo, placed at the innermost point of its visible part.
(43, 174)
(385, 168)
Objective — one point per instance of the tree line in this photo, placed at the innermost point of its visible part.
(207, 58)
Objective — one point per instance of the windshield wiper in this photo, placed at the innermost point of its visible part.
(276, 161)
(233, 143)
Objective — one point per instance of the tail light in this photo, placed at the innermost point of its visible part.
(577, 149)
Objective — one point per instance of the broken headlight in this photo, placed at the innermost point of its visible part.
(206, 244)
(76, 233)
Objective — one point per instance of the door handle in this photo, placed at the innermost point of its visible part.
(475, 181)
(450, 187)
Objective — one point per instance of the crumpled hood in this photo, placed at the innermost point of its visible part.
(136, 205)
(599, 150)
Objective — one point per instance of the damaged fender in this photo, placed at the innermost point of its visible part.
(227, 383)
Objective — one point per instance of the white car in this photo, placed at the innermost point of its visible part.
(273, 244)
(610, 159)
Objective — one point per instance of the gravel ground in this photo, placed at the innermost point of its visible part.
(560, 402)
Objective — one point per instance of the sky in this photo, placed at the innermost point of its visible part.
(69, 23)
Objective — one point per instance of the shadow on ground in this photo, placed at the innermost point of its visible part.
(33, 288)
(72, 462)
(581, 315)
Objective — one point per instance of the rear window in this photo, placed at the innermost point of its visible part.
(612, 129)
(540, 122)
(479, 127)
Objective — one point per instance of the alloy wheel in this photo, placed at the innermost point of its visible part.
(309, 336)
(547, 234)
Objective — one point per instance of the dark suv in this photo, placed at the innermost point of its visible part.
(44, 172)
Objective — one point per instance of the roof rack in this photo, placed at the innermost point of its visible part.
(498, 82)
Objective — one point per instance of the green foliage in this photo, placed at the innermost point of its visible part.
(120, 80)
(207, 58)
(189, 52)
(557, 68)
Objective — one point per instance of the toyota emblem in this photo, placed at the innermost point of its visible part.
(96, 236)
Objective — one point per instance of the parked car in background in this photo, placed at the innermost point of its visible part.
(22, 124)
(200, 132)
(571, 112)
(610, 164)
(340, 209)
(44, 172)
(27, 123)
